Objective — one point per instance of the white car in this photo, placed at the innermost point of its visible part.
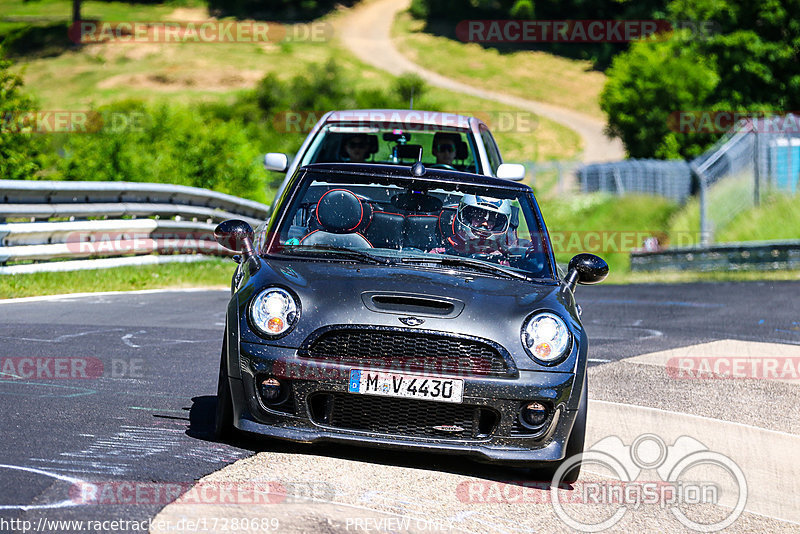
(398, 137)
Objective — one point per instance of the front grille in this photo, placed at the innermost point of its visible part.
(286, 403)
(518, 430)
(405, 417)
(420, 352)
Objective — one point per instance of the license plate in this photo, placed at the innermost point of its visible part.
(408, 386)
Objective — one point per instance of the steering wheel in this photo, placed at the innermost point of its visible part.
(442, 166)
(533, 257)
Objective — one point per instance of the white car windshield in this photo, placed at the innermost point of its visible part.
(445, 148)
(400, 219)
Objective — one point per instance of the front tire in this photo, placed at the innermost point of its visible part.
(223, 420)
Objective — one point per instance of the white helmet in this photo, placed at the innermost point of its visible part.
(482, 218)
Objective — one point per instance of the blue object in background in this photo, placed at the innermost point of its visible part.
(785, 163)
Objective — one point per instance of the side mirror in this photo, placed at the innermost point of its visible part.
(236, 235)
(511, 171)
(585, 269)
(275, 161)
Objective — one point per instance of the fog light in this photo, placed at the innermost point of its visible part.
(270, 389)
(533, 414)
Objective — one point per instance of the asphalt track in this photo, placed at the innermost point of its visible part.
(143, 413)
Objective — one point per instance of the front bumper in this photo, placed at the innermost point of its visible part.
(507, 441)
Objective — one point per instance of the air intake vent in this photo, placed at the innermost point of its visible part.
(412, 304)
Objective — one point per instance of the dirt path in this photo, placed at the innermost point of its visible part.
(366, 32)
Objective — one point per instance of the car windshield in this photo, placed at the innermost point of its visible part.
(449, 148)
(400, 220)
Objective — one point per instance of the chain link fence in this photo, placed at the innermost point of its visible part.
(671, 179)
(552, 177)
(757, 157)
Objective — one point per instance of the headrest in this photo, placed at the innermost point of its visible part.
(414, 201)
(446, 221)
(462, 151)
(440, 137)
(339, 211)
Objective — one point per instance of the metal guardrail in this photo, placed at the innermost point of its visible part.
(762, 256)
(184, 223)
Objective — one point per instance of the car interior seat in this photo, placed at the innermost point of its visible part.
(386, 229)
(339, 219)
(446, 224)
(462, 150)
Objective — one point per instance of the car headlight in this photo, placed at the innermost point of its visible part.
(274, 312)
(545, 336)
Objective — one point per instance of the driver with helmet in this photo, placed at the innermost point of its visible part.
(480, 226)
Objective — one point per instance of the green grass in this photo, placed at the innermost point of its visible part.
(610, 226)
(96, 74)
(733, 216)
(55, 10)
(212, 273)
(679, 277)
(604, 225)
(533, 75)
(778, 217)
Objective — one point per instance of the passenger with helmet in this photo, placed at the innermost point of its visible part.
(480, 227)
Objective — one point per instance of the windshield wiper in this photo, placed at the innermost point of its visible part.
(478, 265)
(331, 250)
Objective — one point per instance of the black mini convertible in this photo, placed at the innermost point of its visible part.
(411, 308)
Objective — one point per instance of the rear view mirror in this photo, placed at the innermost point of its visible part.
(511, 171)
(275, 161)
(397, 136)
(408, 152)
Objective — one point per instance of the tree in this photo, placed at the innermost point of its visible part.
(746, 62)
(19, 150)
(649, 83)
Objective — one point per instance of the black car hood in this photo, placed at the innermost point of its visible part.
(340, 293)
